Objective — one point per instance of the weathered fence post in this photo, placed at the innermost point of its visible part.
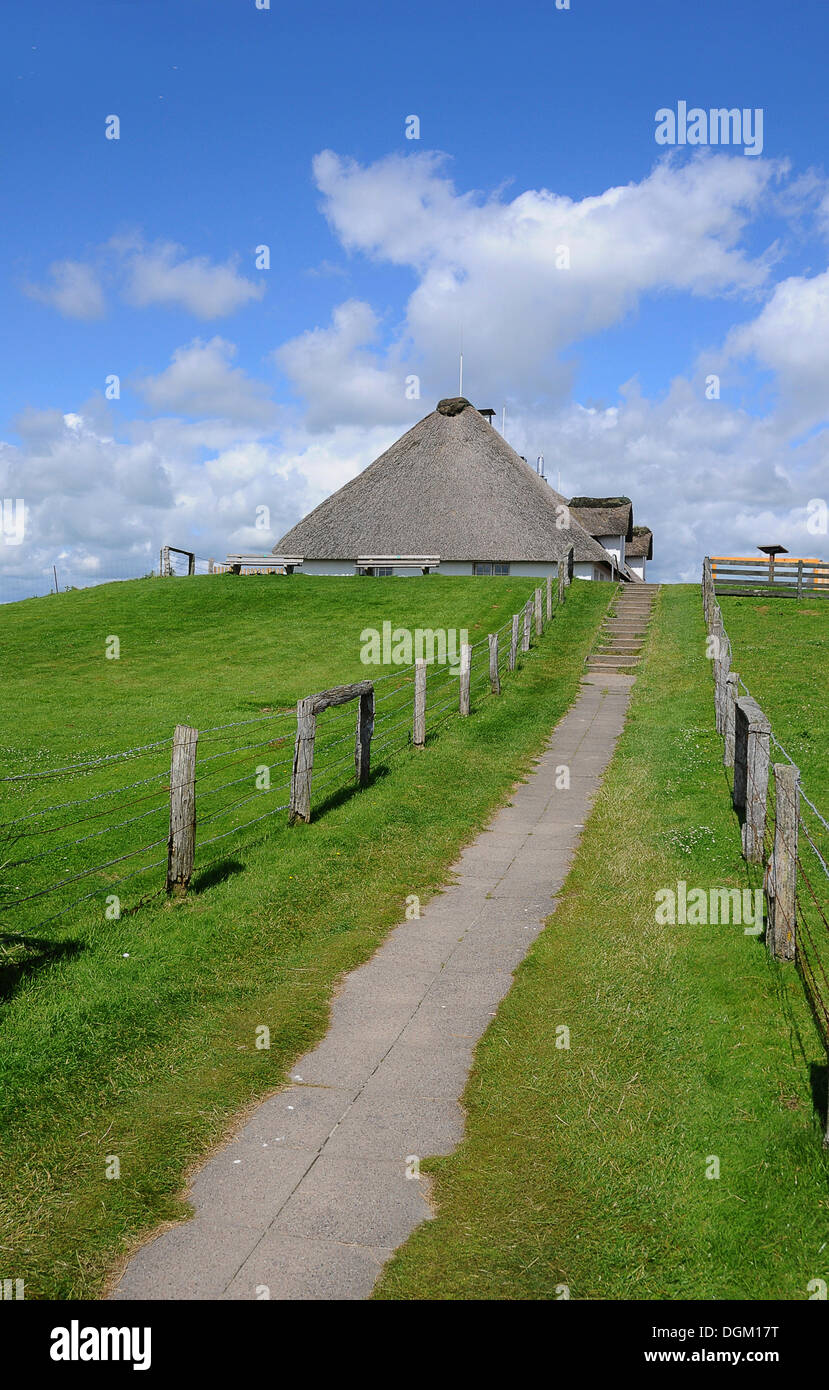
(494, 676)
(539, 620)
(365, 728)
(560, 570)
(721, 662)
(800, 579)
(549, 598)
(731, 686)
(782, 871)
(419, 721)
(181, 846)
(466, 663)
(513, 646)
(525, 641)
(751, 774)
(306, 728)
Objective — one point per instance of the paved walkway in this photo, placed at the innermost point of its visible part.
(311, 1197)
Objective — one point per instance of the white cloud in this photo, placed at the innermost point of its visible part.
(161, 274)
(339, 376)
(145, 274)
(75, 291)
(201, 381)
(791, 337)
(707, 477)
(498, 270)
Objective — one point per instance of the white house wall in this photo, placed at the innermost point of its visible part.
(616, 546)
(520, 569)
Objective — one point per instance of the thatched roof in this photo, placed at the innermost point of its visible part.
(640, 546)
(451, 486)
(604, 516)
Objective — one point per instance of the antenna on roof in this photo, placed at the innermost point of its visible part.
(460, 381)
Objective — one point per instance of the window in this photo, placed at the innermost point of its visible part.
(490, 567)
(382, 571)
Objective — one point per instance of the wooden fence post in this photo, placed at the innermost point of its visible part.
(513, 646)
(539, 621)
(181, 846)
(419, 721)
(549, 598)
(800, 579)
(751, 774)
(466, 663)
(306, 728)
(494, 676)
(560, 567)
(731, 687)
(525, 642)
(782, 871)
(722, 666)
(365, 728)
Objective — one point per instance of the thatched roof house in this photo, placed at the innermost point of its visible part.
(604, 516)
(610, 521)
(639, 550)
(450, 495)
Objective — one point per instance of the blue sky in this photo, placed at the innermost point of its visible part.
(127, 256)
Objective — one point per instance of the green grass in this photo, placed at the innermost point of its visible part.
(136, 1037)
(781, 649)
(586, 1167)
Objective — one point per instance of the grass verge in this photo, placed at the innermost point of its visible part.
(584, 1172)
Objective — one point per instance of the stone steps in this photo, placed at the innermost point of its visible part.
(620, 639)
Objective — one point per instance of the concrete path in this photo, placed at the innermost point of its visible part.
(312, 1196)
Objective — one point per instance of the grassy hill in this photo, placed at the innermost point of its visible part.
(135, 1037)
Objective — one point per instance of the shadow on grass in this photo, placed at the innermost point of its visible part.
(218, 872)
(338, 796)
(819, 1080)
(23, 956)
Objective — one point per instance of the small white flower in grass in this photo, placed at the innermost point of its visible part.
(126, 955)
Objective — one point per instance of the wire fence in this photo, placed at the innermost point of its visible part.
(811, 858)
(59, 852)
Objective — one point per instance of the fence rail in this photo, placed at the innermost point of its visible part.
(778, 577)
(84, 846)
(780, 824)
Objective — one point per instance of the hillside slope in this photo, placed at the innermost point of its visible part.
(136, 1038)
